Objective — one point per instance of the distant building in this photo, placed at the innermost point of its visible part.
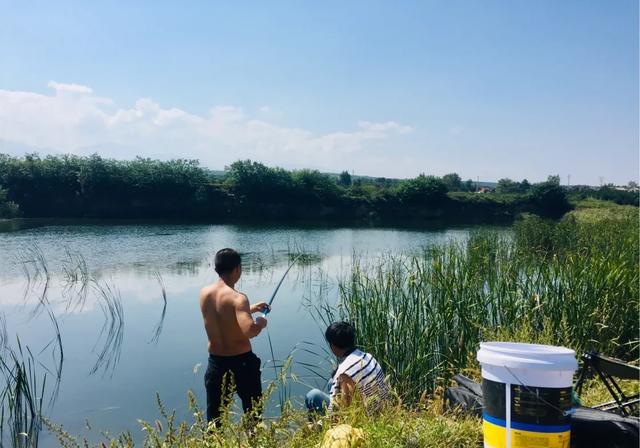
(630, 188)
(484, 190)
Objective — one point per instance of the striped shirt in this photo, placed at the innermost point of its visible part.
(367, 376)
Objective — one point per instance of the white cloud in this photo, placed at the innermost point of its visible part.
(71, 88)
(389, 126)
(74, 120)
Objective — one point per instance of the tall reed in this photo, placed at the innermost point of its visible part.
(423, 315)
(22, 398)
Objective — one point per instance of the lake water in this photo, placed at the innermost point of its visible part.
(132, 262)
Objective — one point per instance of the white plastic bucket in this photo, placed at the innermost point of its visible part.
(527, 394)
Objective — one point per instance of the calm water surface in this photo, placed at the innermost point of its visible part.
(132, 261)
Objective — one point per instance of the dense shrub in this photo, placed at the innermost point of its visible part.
(8, 209)
(70, 186)
(549, 198)
(606, 193)
(423, 190)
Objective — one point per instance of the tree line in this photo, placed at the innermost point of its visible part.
(69, 186)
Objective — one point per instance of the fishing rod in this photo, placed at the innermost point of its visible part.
(275, 291)
(266, 311)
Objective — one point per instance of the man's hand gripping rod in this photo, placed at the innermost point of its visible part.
(273, 296)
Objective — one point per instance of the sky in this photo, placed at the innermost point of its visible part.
(488, 89)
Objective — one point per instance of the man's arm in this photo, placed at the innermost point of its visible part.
(248, 326)
(346, 389)
(260, 307)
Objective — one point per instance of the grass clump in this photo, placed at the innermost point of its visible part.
(423, 316)
(423, 426)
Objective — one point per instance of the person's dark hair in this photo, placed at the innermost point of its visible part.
(226, 261)
(341, 334)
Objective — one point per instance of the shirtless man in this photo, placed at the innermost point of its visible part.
(229, 326)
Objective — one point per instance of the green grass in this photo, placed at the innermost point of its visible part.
(423, 426)
(595, 392)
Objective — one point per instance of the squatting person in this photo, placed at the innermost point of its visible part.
(357, 371)
(229, 326)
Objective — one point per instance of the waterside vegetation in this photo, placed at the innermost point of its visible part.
(70, 186)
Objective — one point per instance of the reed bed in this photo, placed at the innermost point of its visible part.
(422, 316)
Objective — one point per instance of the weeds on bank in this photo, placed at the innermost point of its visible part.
(424, 426)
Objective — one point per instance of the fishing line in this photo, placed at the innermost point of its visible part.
(273, 296)
(535, 394)
(265, 312)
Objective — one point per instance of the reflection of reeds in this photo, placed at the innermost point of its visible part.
(160, 324)
(35, 269)
(57, 354)
(303, 255)
(4, 336)
(77, 278)
(112, 331)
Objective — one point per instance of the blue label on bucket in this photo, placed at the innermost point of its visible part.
(526, 426)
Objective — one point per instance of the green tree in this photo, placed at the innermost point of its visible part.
(452, 181)
(553, 179)
(506, 185)
(469, 185)
(549, 198)
(255, 181)
(344, 179)
(524, 187)
(313, 185)
(8, 209)
(422, 190)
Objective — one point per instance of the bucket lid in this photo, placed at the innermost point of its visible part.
(527, 356)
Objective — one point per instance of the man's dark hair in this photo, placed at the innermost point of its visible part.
(341, 334)
(226, 261)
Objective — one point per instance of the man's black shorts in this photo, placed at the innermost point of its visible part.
(245, 371)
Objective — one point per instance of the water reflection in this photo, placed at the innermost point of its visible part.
(127, 321)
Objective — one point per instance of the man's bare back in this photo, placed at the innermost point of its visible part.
(227, 319)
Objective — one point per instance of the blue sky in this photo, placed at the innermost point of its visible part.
(487, 89)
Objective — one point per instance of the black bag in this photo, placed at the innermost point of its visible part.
(594, 428)
(467, 397)
(590, 428)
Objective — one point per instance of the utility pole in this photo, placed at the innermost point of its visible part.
(568, 180)
(601, 180)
